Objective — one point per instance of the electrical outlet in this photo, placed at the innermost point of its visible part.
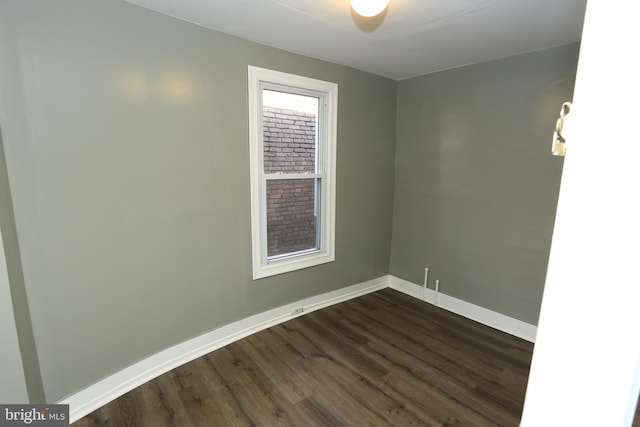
(297, 310)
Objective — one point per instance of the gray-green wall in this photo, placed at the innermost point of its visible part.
(475, 184)
(11, 103)
(126, 140)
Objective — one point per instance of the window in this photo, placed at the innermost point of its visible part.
(292, 139)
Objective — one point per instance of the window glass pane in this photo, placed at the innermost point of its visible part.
(291, 215)
(289, 124)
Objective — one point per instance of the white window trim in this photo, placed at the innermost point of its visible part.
(262, 267)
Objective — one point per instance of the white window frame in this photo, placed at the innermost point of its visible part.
(327, 92)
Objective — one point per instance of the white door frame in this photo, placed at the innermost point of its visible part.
(586, 361)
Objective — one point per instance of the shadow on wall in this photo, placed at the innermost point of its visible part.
(24, 329)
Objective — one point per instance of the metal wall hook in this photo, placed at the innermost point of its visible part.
(558, 147)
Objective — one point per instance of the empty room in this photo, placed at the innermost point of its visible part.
(319, 213)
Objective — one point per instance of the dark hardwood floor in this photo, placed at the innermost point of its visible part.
(384, 359)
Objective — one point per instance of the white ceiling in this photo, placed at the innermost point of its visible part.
(412, 37)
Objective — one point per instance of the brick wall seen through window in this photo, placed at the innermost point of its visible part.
(290, 147)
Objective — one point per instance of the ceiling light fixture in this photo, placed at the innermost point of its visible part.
(369, 8)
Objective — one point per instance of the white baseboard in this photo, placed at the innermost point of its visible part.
(99, 394)
(482, 315)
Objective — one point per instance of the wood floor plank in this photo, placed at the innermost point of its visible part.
(347, 366)
(317, 415)
(445, 357)
(428, 376)
(164, 406)
(383, 359)
(277, 369)
(231, 411)
(313, 366)
(455, 328)
(449, 355)
(127, 410)
(257, 397)
(449, 322)
(334, 346)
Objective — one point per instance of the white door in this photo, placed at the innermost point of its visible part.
(586, 361)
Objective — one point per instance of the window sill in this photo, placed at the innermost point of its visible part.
(289, 264)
